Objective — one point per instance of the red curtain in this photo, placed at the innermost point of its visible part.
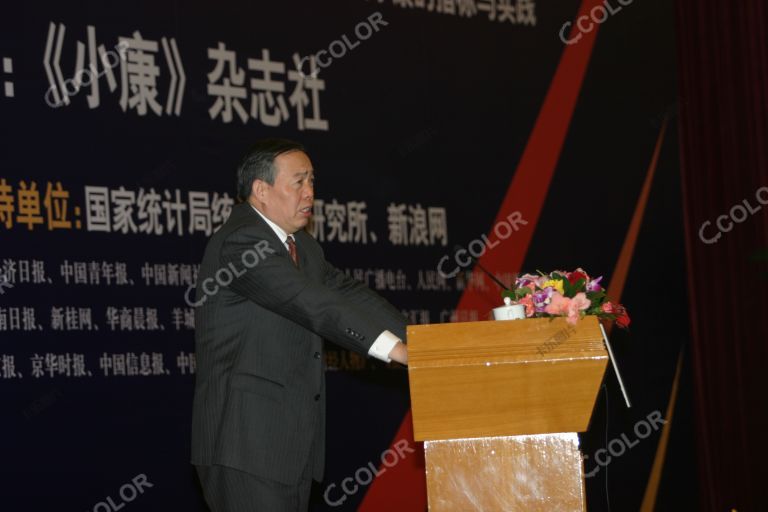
(723, 105)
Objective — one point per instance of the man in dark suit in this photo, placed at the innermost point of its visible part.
(265, 300)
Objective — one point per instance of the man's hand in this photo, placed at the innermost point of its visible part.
(399, 353)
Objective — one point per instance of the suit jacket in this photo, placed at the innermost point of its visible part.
(259, 403)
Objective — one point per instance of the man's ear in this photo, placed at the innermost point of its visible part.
(259, 190)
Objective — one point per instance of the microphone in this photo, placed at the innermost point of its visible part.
(495, 279)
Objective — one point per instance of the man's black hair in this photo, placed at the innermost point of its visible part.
(259, 163)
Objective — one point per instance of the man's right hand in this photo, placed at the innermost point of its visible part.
(399, 353)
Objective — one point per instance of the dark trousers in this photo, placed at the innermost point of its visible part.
(230, 490)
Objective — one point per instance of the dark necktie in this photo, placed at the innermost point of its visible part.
(292, 250)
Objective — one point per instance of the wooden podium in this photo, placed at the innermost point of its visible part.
(498, 405)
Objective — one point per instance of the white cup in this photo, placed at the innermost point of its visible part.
(510, 312)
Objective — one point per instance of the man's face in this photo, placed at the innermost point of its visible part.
(288, 203)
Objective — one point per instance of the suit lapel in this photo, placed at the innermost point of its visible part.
(244, 213)
(309, 260)
(255, 219)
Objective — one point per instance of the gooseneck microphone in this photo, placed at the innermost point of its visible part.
(474, 260)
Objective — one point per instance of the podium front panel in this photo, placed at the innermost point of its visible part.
(538, 473)
(504, 378)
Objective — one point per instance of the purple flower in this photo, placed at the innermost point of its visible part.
(524, 282)
(594, 285)
(541, 298)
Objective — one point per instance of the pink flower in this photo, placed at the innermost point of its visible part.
(558, 305)
(579, 303)
(607, 307)
(530, 308)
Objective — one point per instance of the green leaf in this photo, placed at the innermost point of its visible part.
(568, 289)
(596, 297)
(522, 292)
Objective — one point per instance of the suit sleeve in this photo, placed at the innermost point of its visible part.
(262, 274)
(358, 293)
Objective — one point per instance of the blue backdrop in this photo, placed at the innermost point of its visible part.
(122, 124)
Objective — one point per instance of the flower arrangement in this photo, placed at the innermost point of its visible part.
(570, 294)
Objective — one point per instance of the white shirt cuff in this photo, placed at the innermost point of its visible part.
(383, 346)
